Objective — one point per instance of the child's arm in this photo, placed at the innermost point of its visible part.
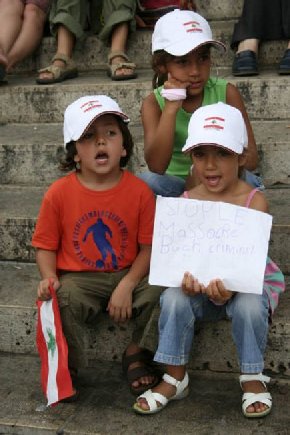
(259, 202)
(120, 303)
(235, 99)
(46, 262)
(159, 128)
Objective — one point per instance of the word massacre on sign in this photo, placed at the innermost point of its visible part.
(210, 240)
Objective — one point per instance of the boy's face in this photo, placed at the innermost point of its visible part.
(100, 148)
(192, 69)
(216, 167)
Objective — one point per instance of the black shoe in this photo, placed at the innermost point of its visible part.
(284, 66)
(245, 64)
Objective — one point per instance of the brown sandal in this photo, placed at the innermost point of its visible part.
(59, 74)
(146, 369)
(113, 68)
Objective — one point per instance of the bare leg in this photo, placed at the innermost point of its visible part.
(118, 43)
(11, 12)
(30, 35)
(65, 45)
(249, 44)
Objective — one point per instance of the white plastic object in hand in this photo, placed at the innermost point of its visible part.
(174, 94)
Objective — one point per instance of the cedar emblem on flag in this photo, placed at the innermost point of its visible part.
(192, 26)
(215, 122)
(52, 347)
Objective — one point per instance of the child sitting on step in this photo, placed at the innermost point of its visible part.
(181, 47)
(93, 235)
(218, 154)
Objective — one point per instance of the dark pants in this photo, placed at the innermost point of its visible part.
(84, 295)
(264, 20)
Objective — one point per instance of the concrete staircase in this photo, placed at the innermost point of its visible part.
(31, 142)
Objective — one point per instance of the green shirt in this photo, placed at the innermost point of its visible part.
(214, 91)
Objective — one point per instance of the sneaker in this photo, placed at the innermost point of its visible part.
(284, 66)
(245, 64)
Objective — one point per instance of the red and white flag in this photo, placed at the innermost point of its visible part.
(52, 347)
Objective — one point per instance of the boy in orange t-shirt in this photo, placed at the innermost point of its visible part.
(94, 232)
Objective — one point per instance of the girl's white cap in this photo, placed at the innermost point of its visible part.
(181, 31)
(81, 113)
(217, 124)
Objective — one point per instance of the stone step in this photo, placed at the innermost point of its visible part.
(213, 405)
(106, 341)
(24, 145)
(18, 216)
(93, 54)
(266, 96)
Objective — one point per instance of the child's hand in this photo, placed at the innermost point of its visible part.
(190, 285)
(187, 4)
(173, 83)
(43, 292)
(120, 303)
(217, 292)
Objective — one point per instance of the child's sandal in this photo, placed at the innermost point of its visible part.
(157, 401)
(114, 67)
(249, 399)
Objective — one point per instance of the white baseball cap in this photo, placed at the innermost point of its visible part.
(217, 124)
(81, 113)
(181, 31)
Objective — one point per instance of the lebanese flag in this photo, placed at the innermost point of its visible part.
(52, 347)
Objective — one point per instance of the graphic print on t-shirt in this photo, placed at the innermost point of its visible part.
(100, 239)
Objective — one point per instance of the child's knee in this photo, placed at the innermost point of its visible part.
(173, 299)
(250, 306)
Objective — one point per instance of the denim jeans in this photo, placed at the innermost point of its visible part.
(163, 185)
(248, 313)
(170, 185)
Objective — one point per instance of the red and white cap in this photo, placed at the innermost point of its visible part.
(81, 113)
(181, 31)
(217, 124)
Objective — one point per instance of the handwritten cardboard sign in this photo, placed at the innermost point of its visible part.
(210, 240)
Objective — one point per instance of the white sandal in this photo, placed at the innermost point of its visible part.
(157, 401)
(250, 398)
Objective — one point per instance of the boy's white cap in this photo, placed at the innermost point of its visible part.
(181, 31)
(81, 113)
(217, 124)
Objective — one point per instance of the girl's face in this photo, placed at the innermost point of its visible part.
(194, 67)
(216, 167)
(100, 148)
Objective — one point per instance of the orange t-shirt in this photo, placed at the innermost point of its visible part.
(95, 231)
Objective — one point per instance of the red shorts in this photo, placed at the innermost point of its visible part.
(42, 4)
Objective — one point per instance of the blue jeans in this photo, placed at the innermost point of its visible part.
(248, 312)
(163, 185)
(170, 185)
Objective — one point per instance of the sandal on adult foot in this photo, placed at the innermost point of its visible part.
(157, 401)
(249, 399)
(145, 358)
(58, 73)
(114, 67)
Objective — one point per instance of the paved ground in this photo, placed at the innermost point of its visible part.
(212, 408)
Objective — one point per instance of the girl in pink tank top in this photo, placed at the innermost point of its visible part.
(217, 142)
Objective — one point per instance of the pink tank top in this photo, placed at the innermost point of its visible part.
(248, 201)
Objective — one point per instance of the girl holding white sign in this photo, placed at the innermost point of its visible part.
(217, 142)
